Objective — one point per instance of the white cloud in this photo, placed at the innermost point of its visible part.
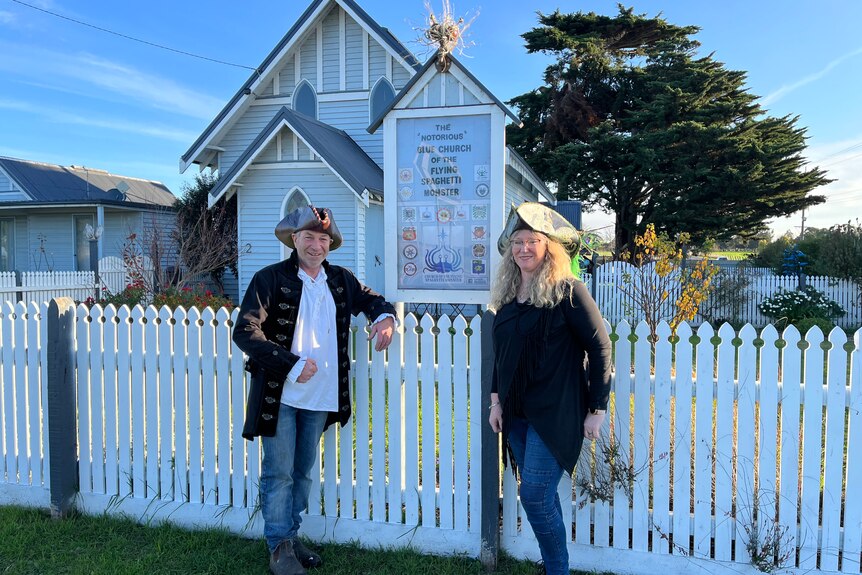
(7, 18)
(784, 90)
(119, 125)
(94, 76)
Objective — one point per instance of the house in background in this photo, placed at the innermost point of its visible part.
(45, 208)
(302, 129)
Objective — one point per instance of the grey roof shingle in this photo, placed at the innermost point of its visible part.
(50, 183)
(337, 149)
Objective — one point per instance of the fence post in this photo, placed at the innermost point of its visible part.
(62, 431)
(490, 481)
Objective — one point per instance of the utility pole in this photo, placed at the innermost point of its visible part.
(802, 227)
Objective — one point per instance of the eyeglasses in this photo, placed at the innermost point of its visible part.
(519, 244)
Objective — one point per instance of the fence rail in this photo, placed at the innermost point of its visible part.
(728, 434)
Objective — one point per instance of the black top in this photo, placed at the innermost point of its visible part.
(554, 364)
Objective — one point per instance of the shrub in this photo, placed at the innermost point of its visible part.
(804, 324)
(133, 294)
(790, 307)
(188, 297)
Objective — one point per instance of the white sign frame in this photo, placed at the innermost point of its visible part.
(390, 203)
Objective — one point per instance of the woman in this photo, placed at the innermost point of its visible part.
(545, 398)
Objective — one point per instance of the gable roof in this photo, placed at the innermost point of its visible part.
(423, 76)
(244, 94)
(336, 149)
(50, 183)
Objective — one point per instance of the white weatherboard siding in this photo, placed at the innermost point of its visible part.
(6, 183)
(23, 261)
(376, 61)
(400, 76)
(308, 58)
(259, 204)
(352, 117)
(118, 227)
(158, 224)
(331, 52)
(515, 192)
(243, 132)
(353, 54)
(287, 78)
(58, 231)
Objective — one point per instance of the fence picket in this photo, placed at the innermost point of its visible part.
(95, 357)
(138, 383)
(195, 383)
(34, 388)
(477, 420)
(602, 507)
(641, 440)
(767, 495)
(661, 442)
(122, 317)
(179, 374)
(703, 452)
(852, 544)
(460, 420)
(622, 430)
(812, 420)
(791, 402)
(445, 484)
(22, 428)
(681, 437)
(724, 452)
(162, 330)
(362, 417)
(7, 397)
(395, 423)
(746, 415)
(429, 428)
(836, 386)
(378, 435)
(208, 405)
(151, 364)
(111, 415)
(411, 429)
(223, 409)
(82, 338)
(236, 376)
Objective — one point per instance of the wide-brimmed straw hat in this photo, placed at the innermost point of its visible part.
(308, 218)
(540, 218)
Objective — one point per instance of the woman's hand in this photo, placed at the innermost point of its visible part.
(592, 425)
(495, 419)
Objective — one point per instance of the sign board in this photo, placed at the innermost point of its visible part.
(448, 177)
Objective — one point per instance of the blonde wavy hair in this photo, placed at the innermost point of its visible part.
(548, 285)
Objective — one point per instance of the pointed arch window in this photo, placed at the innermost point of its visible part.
(382, 94)
(305, 99)
(294, 199)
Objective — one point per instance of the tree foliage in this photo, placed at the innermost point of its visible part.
(630, 120)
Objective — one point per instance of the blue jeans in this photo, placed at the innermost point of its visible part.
(285, 477)
(540, 475)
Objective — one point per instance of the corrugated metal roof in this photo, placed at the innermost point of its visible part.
(63, 184)
(337, 149)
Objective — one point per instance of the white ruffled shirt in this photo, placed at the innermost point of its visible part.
(315, 337)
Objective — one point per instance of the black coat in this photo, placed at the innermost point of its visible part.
(569, 367)
(265, 327)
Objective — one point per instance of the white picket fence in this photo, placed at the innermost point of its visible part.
(616, 306)
(42, 286)
(750, 439)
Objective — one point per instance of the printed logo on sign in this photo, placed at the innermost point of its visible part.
(460, 214)
(427, 215)
(410, 251)
(478, 267)
(481, 173)
(479, 250)
(408, 234)
(482, 190)
(479, 232)
(410, 269)
(405, 175)
(408, 214)
(479, 212)
(444, 215)
(406, 192)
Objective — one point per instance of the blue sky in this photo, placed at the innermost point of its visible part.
(70, 94)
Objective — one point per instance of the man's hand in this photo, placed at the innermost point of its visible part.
(383, 331)
(308, 371)
(593, 425)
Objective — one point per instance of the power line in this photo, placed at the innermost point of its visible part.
(841, 161)
(838, 153)
(127, 37)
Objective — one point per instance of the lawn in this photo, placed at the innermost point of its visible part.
(33, 543)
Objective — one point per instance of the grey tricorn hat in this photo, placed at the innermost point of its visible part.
(540, 218)
(308, 218)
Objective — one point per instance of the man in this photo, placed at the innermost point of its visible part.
(294, 326)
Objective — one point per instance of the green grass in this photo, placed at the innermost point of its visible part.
(31, 542)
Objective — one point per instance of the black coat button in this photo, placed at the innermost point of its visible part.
(272, 384)
(266, 417)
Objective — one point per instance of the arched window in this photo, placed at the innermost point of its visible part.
(295, 198)
(305, 99)
(382, 95)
